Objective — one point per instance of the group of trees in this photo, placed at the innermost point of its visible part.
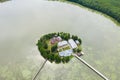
(49, 36)
(74, 37)
(45, 52)
(64, 36)
(76, 50)
(67, 36)
(62, 59)
(54, 48)
(109, 7)
(57, 59)
(43, 46)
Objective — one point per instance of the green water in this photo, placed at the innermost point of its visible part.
(22, 22)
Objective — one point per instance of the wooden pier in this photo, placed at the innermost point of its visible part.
(92, 68)
(39, 70)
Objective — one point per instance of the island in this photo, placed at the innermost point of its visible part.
(59, 47)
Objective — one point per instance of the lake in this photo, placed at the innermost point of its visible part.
(23, 22)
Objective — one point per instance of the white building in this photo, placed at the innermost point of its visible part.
(63, 43)
(66, 52)
(72, 43)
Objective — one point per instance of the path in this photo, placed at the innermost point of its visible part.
(39, 70)
(92, 68)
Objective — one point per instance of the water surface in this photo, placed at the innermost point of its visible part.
(22, 22)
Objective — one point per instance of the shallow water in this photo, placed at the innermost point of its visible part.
(22, 22)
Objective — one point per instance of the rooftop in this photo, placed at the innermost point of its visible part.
(66, 52)
(60, 44)
(72, 43)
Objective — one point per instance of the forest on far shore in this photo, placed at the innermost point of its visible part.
(109, 7)
(3, 0)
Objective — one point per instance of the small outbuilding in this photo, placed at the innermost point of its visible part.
(77, 42)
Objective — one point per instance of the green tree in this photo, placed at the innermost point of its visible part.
(67, 59)
(78, 50)
(74, 50)
(51, 57)
(63, 60)
(80, 40)
(74, 37)
(58, 59)
(45, 45)
(54, 48)
(45, 55)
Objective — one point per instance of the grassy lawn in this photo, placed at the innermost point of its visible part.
(66, 48)
(79, 47)
(49, 44)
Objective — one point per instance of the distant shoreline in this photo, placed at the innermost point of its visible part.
(114, 17)
(3, 1)
(101, 9)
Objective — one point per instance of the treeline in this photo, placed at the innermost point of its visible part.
(3, 0)
(109, 7)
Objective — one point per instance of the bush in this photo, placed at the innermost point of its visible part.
(54, 48)
(74, 37)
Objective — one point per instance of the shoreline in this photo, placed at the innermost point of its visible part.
(1, 1)
(92, 10)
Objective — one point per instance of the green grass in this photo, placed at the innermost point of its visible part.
(66, 48)
(109, 7)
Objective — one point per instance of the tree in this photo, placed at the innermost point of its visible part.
(45, 45)
(74, 37)
(42, 50)
(63, 59)
(78, 50)
(80, 40)
(67, 59)
(74, 50)
(51, 57)
(66, 36)
(54, 48)
(45, 55)
(58, 59)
